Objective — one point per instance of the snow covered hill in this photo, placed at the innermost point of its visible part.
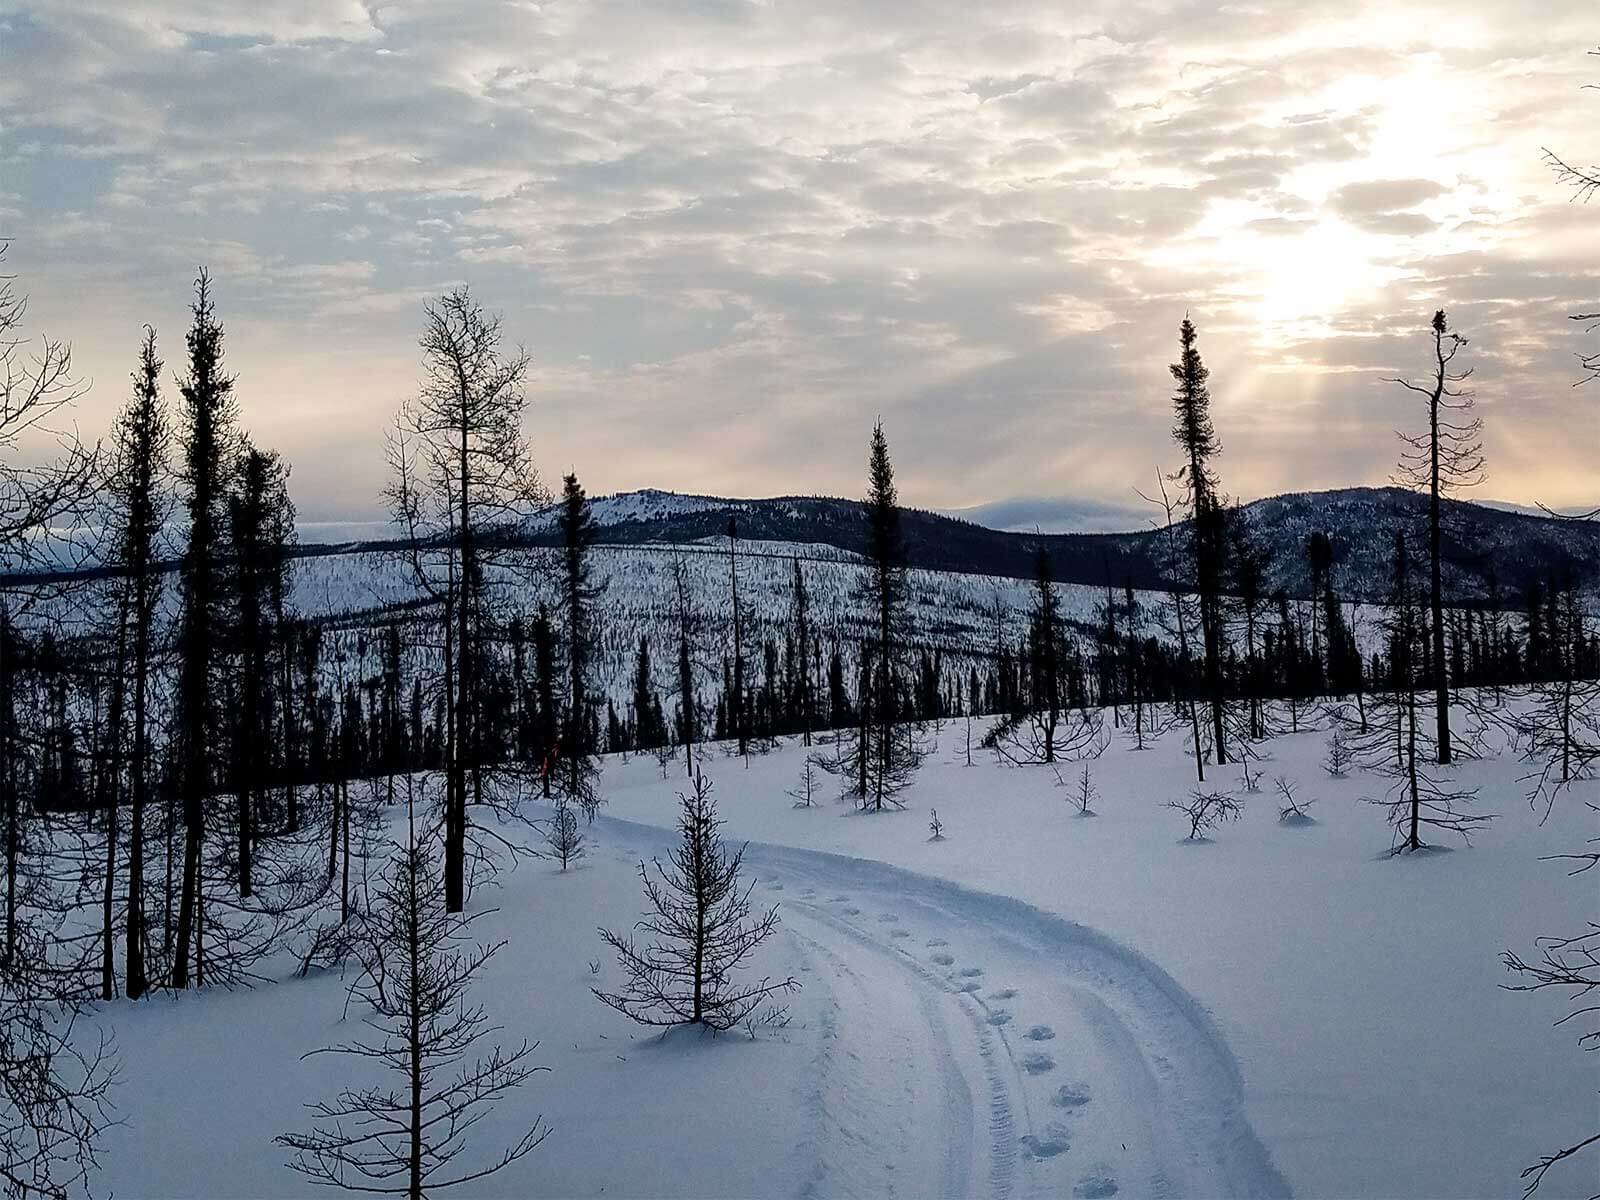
(1485, 547)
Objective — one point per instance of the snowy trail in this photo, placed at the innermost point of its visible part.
(971, 1044)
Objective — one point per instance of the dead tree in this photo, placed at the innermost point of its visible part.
(53, 1081)
(702, 930)
(1291, 809)
(1396, 745)
(1206, 811)
(417, 967)
(463, 482)
(1442, 460)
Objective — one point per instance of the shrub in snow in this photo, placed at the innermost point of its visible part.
(1291, 809)
(935, 826)
(1206, 811)
(702, 931)
(1250, 776)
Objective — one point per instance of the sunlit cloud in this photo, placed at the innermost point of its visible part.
(733, 234)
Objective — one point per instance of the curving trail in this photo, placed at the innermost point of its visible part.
(971, 1044)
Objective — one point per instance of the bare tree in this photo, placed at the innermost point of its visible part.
(935, 826)
(463, 482)
(1396, 745)
(702, 930)
(54, 1083)
(1439, 462)
(1291, 809)
(417, 967)
(1206, 811)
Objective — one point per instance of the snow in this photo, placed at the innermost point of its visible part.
(1035, 1005)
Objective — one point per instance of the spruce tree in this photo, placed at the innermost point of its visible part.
(207, 434)
(576, 527)
(1201, 496)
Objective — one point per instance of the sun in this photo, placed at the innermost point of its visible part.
(1305, 280)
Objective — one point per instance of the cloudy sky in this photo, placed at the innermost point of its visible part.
(731, 232)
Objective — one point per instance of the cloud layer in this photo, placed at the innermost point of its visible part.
(732, 232)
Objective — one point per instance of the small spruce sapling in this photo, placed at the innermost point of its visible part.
(804, 793)
(1083, 794)
(935, 826)
(1340, 754)
(702, 931)
(564, 838)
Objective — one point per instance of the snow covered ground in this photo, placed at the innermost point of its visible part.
(1039, 1004)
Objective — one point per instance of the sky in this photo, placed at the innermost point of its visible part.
(732, 233)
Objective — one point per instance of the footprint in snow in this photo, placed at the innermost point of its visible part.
(852, 911)
(971, 972)
(943, 959)
(1039, 1033)
(808, 893)
(838, 899)
(970, 986)
(887, 919)
(1038, 1063)
(1004, 994)
(1095, 1187)
(999, 1017)
(898, 933)
(1071, 1095)
(1051, 1142)
(937, 942)
(775, 887)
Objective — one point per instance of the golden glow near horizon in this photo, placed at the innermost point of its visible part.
(731, 239)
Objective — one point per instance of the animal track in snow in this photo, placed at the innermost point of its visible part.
(937, 942)
(969, 986)
(943, 959)
(1038, 1063)
(852, 911)
(1004, 994)
(1051, 1142)
(971, 972)
(1071, 1095)
(1039, 1033)
(898, 933)
(1095, 1187)
(999, 1017)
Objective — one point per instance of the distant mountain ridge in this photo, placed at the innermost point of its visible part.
(1515, 548)
(1486, 548)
